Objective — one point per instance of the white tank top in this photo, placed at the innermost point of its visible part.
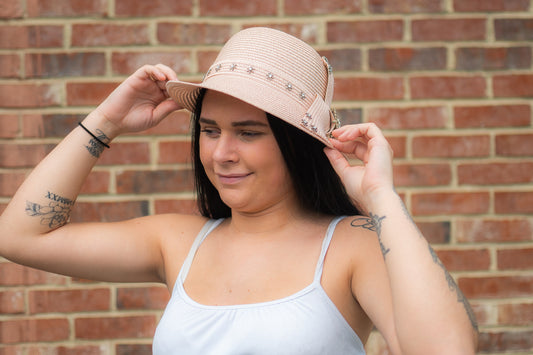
(307, 322)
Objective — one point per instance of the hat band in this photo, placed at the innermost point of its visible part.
(273, 79)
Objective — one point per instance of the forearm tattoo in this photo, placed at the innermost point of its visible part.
(55, 214)
(372, 223)
(454, 288)
(95, 147)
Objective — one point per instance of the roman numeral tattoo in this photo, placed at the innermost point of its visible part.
(55, 214)
(454, 288)
(372, 223)
(95, 146)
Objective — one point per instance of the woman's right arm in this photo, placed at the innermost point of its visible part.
(34, 229)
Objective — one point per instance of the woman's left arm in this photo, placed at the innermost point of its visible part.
(431, 315)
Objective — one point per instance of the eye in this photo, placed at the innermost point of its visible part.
(248, 135)
(210, 132)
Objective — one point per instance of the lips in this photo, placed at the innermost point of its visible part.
(232, 179)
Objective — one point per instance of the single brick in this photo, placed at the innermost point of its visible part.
(451, 146)
(447, 87)
(365, 31)
(238, 8)
(192, 34)
(490, 6)
(320, 7)
(461, 203)
(65, 64)
(88, 35)
(437, 29)
(501, 58)
(513, 85)
(140, 8)
(513, 29)
(367, 88)
(66, 8)
(408, 117)
(402, 59)
(492, 116)
(513, 202)
(406, 6)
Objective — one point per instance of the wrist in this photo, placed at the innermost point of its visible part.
(380, 200)
(99, 125)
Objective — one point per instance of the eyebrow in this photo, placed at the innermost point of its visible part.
(244, 123)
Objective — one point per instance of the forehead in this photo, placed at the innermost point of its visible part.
(218, 106)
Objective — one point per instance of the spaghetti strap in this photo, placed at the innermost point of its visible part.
(325, 246)
(206, 229)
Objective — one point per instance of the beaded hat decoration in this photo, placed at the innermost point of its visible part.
(275, 72)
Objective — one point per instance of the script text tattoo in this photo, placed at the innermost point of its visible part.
(372, 223)
(95, 146)
(55, 214)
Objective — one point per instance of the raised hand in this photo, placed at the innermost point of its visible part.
(365, 181)
(141, 101)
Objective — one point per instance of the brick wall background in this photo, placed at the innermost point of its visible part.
(449, 81)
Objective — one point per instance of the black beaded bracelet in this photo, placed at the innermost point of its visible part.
(95, 137)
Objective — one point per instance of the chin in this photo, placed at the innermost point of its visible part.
(241, 206)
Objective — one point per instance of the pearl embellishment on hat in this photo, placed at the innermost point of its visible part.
(305, 120)
(221, 67)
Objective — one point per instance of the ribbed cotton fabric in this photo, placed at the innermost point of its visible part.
(306, 322)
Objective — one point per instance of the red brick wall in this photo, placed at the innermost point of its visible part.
(449, 81)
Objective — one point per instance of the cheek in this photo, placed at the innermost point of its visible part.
(205, 153)
(279, 173)
(284, 178)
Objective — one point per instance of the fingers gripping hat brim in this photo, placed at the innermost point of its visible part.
(273, 71)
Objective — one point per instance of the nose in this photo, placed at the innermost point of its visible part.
(225, 150)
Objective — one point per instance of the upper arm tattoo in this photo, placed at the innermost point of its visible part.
(55, 214)
(454, 288)
(372, 223)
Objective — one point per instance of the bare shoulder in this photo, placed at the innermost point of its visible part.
(357, 235)
(352, 262)
(356, 239)
(164, 226)
(356, 250)
(175, 224)
(177, 233)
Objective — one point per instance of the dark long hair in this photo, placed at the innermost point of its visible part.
(317, 185)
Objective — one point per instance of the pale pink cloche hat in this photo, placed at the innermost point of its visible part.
(275, 72)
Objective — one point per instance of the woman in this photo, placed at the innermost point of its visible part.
(271, 266)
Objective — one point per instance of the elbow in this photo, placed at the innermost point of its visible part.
(457, 343)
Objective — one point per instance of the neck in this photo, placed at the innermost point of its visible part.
(268, 221)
